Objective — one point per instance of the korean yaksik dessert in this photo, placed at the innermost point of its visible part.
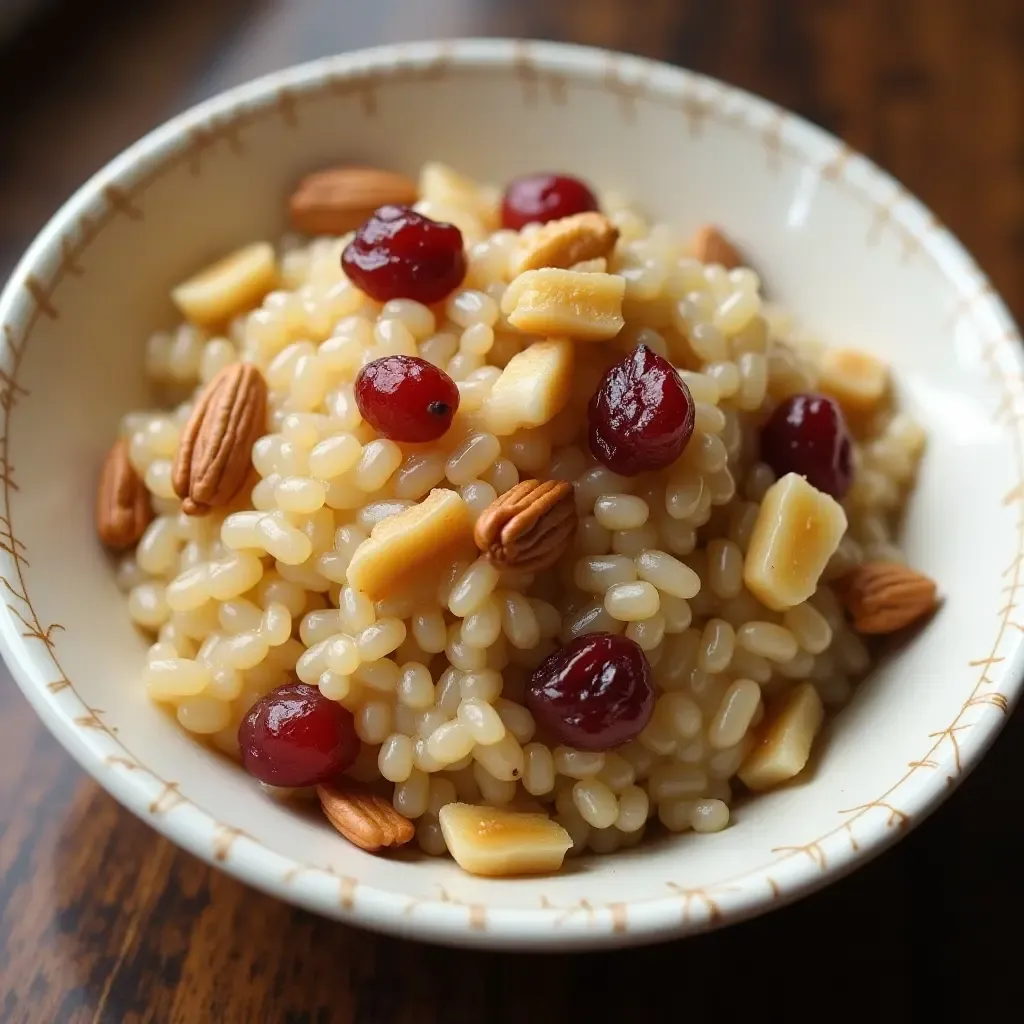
(509, 521)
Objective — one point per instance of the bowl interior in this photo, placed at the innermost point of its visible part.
(844, 247)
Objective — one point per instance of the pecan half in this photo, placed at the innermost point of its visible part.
(363, 818)
(123, 509)
(529, 526)
(883, 597)
(709, 245)
(340, 199)
(215, 453)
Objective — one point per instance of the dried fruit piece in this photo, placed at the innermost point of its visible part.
(363, 818)
(402, 547)
(883, 597)
(797, 530)
(528, 527)
(857, 380)
(215, 454)
(492, 842)
(539, 198)
(228, 287)
(295, 736)
(534, 387)
(405, 398)
(447, 195)
(807, 434)
(566, 303)
(709, 245)
(593, 694)
(400, 254)
(786, 736)
(123, 509)
(642, 415)
(562, 243)
(339, 199)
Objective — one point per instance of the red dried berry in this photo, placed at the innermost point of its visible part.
(594, 694)
(641, 416)
(400, 254)
(295, 736)
(807, 434)
(538, 198)
(406, 398)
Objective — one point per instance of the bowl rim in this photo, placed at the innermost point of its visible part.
(795, 871)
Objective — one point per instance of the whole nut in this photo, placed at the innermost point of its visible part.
(363, 818)
(340, 199)
(123, 509)
(709, 245)
(883, 597)
(215, 454)
(528, 527)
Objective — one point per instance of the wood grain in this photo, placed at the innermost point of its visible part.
(103, 921)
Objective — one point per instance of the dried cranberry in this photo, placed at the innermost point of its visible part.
(400, 254)
(406, 398)
(538, 198)
(807, 434)
(295, 736)
(641, 416)
(593, 694)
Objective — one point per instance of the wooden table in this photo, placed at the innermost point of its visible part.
(102, 920)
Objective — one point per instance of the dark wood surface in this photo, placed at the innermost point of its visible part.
(103, 921)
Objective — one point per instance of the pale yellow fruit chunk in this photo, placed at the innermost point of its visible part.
(228, 287)
(797, 530)
(786, 740)
(488, 841)
(412, 543)
(534, 387)
(857, 380)
(447, 196)
(446, 187)
(566, 303)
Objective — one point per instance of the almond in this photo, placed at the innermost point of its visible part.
(214, 457)
(340, 199)
(123, 509)
(883, 597)
(363, 818)
(528, 527)
(565, 242)
(709, 245)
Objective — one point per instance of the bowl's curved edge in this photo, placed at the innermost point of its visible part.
(795, 871)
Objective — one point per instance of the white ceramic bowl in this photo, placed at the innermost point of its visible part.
(842, 244)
